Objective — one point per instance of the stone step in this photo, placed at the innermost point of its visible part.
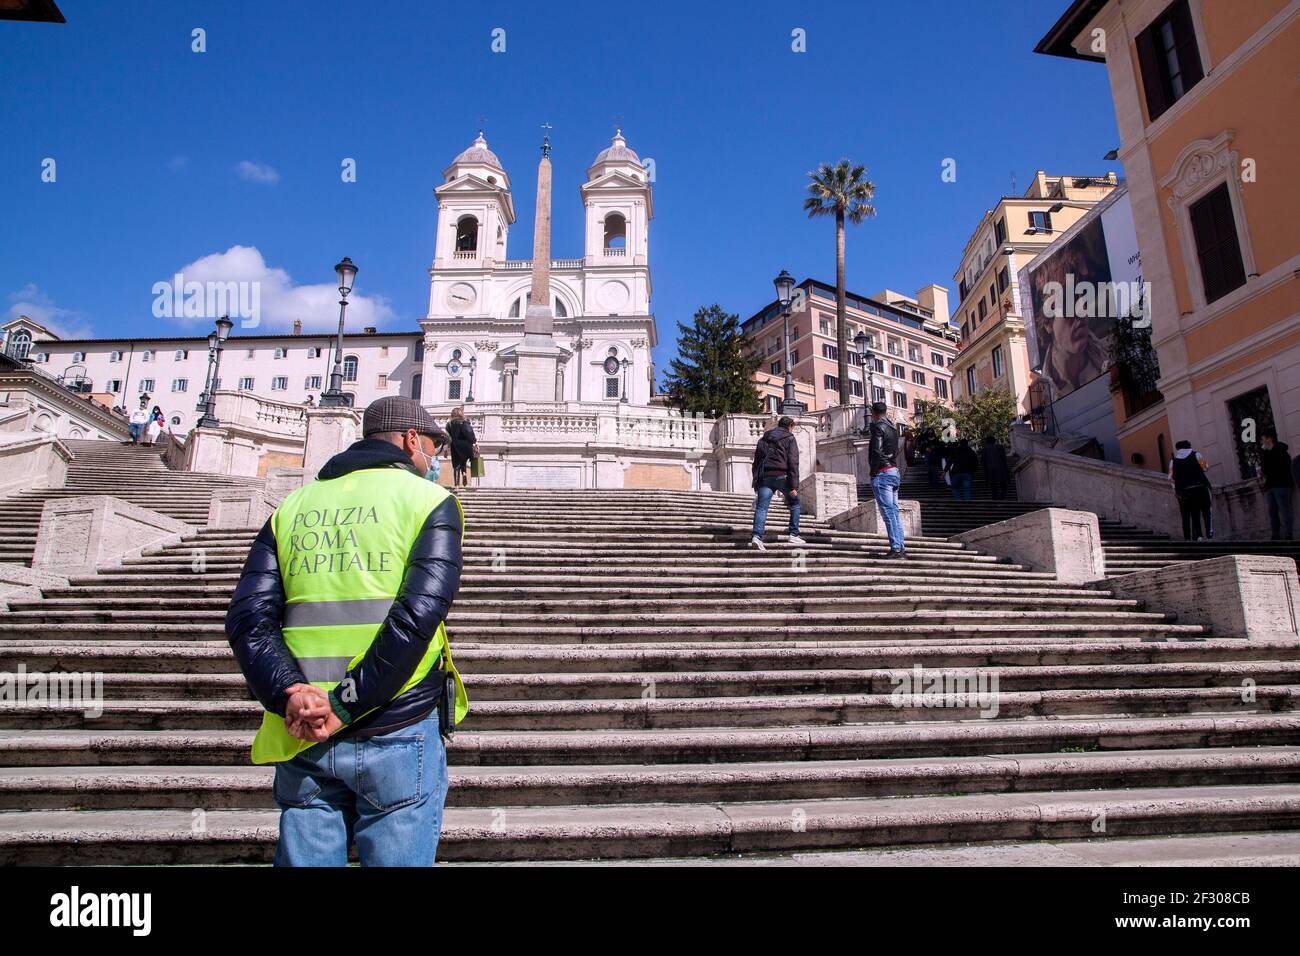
(198, 656)
(105, 747)
(1280, 848)
(648, 634)
(770, 711)
(176, 684)
(249, 787)
(648, 830)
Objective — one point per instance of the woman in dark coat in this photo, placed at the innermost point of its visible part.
(464, 445)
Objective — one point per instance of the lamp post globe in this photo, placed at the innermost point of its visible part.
(333, 397)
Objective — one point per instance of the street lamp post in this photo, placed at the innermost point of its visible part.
(333, 397)
(208, 401)
(784, 284)
(868, 358)
(625, 363)
(473, 362)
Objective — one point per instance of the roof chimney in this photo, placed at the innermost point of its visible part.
(297, 326)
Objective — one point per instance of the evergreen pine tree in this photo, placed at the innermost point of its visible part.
(712, 375)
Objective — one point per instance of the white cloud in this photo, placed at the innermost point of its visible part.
(256, 172)
(178, 162)
(280, 299)
(39, 307)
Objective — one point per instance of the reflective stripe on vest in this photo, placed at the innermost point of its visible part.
(342, 546)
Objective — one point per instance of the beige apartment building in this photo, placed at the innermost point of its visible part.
(992, 350)
(1206, 101)
(914, 342)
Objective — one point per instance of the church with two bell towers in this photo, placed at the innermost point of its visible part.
(540, 330)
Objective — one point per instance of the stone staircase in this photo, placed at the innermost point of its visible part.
(1128, 548)
(134, 473)
(643, 686)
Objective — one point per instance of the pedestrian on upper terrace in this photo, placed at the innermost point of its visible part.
(962, 463)
(1278, 483)
(776, 468)
(997, 470)
(1192, 487)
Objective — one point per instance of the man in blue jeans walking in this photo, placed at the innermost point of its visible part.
(882, 458)
(776, 468)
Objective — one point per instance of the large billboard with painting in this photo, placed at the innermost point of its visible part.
(1072, 293)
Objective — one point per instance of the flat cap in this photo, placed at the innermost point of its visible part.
(397, 414)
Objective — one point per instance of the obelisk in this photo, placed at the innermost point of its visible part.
(539, 321)
(538, 353)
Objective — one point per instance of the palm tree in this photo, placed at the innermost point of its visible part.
(842, 191)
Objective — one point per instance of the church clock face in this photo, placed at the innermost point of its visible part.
(461, 296)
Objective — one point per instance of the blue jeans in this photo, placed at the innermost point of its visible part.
(766, 488)
(961, 486)
(1279, 513)
(136, 431)
(385, 792)
(885, 487)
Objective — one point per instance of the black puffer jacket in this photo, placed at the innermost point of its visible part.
(776, 455)
(430, 584)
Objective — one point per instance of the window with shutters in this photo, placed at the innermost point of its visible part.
(900, 399)
(1214, 229)
(1168, 58)
(918, 378)
(997, 361)
(940, 388)
(775, 367)
(1004, 279)
(897, 371)
(1040, 220)
(877, 393)
(1000, 231)
(970, 381)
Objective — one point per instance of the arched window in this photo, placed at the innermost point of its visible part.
(557, 304)
(349, 368)
(466, 234)
(615, 231)
(20, 343)
(417, 384)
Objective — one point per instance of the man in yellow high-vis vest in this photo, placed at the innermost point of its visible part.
(337, 623)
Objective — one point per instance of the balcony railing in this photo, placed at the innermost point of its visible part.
(614, 253)
(524, 265)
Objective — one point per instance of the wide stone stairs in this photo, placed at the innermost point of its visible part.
(644, 686)
(134, 473)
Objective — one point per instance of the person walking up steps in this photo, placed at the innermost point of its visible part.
(882, 458)
(1192, 487)
(776, 468)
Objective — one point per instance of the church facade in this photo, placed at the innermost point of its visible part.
(602, 326)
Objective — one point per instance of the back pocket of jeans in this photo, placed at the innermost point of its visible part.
(294, 787)
(390, 770)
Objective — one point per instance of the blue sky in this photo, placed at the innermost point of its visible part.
(165, 156)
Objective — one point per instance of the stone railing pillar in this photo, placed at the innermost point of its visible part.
(1064, 543)
(1238, 595)
(83, 534)
(329, 431)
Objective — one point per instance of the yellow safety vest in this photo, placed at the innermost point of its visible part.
(342, 546)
